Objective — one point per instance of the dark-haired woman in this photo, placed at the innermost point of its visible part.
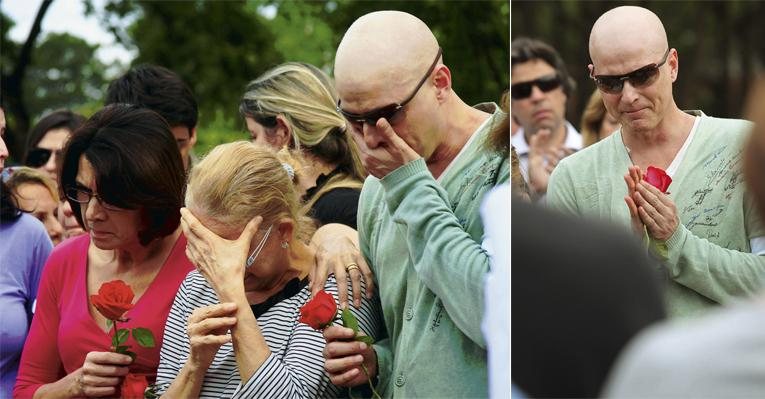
(123, 176)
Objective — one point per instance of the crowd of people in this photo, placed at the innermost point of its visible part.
(659, 233)
(638, 241)
(351, 186)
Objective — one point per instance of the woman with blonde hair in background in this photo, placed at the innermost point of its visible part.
(597, 123)
(294, 105)
(36, 193)
(233, 329)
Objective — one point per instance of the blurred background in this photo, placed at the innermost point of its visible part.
(63, 53)
(721, 46)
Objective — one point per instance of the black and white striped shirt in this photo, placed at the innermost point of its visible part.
(295, 368)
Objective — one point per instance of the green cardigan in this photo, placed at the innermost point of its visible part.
(422, 239)
(708, 259)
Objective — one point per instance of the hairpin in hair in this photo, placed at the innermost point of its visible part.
(290, 170)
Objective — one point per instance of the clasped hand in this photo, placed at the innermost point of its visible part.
(649, 208)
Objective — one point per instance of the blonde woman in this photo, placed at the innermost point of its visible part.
(248, 239)
(35, 193)
(294, 105)
(597, 123)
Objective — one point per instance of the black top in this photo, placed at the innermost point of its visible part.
(293, 287)
(338, 205)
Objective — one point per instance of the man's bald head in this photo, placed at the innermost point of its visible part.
(625, 31)
(384, 46)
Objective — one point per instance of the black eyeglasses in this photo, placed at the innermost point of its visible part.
(522, 90)
(38, 157)
(390, 111)
(83, 196)
(641, 77)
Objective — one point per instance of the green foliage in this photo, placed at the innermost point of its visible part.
(65, 74)
(144, 337)
(219, 130)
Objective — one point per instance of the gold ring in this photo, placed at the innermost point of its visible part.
(351, 266)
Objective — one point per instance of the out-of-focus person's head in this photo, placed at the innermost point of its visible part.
(540, 85)
(123, 177)
(754, 152)
(47, 139)
(633, 66)
(68, 220)
(389, 65)
(3, 148)
(236, 182)
(164, 92)
(597, 123)
(295, 105)
(36, 193)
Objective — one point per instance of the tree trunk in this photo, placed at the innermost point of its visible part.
(12, 89)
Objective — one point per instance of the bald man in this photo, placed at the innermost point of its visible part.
(419, 223)
(705, 229)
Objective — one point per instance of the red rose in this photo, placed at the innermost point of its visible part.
(320, 311)
(133, 386)
(658, 178)
(113, 300)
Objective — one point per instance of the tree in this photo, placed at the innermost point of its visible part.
(65, 74)
(12, 77)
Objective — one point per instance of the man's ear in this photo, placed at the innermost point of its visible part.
(283, 132)
(442, 80)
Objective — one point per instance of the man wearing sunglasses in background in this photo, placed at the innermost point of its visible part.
(419, 223)
(704, 228)
(540, 88)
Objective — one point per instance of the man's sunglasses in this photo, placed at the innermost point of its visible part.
(641, 77)
(390, 111)
(38, 157)
(519, 91)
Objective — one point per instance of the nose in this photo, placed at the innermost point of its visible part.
(94, 210)
(372, 137)
(629, 93)
(55, 229)
(536, 93)
(3, 152)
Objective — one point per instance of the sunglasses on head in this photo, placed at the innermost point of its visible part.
(519, 91)
(38, 157)
(641, 77)
(390, 111)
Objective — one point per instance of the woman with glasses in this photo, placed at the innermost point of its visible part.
(233, 329)
(44, 146)
(123, 176)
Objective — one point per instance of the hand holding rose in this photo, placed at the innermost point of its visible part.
(649, 202)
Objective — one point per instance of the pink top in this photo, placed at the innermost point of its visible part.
(63, 331)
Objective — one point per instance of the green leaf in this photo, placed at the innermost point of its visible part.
(365, 339)
(121, 336)
(349, 320)
(121, 348)
(131, 354)
(109, 323)
(144, 337)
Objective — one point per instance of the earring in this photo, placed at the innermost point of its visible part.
(285, 244)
